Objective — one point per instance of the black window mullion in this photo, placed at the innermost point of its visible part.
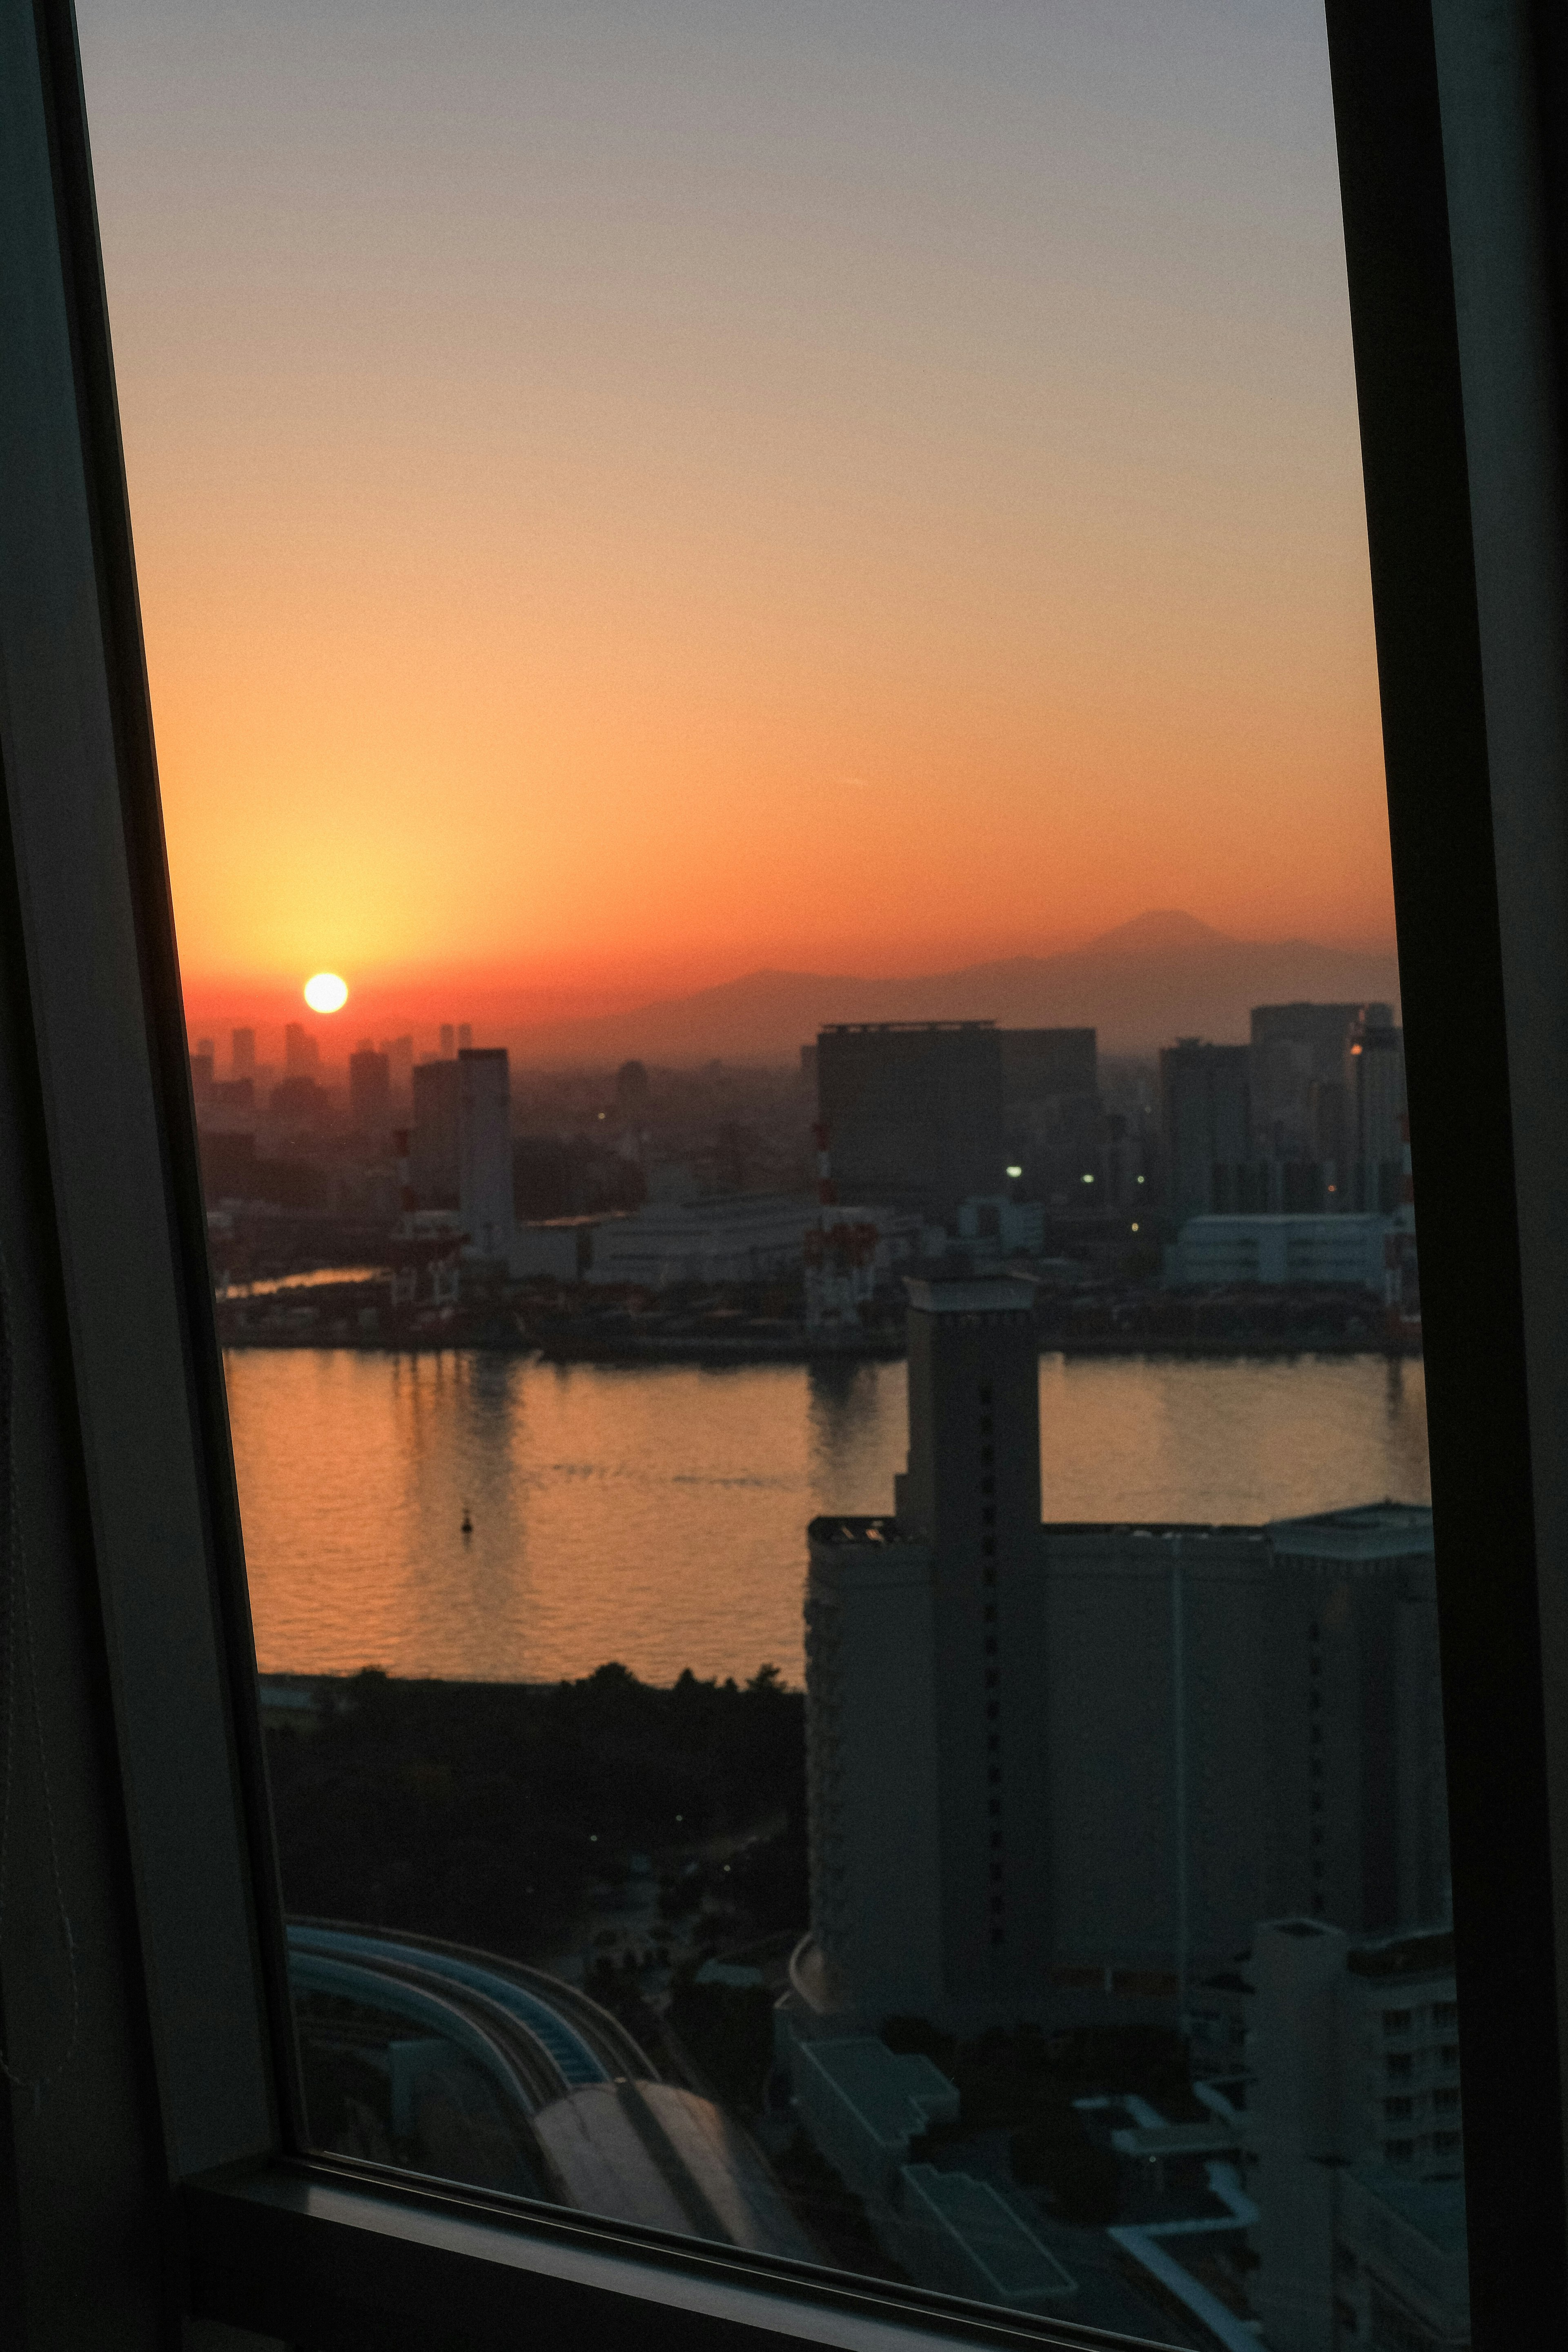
(1444, 211)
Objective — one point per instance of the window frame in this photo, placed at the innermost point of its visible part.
(1452, 121)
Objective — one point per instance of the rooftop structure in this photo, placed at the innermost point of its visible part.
(1402, 2266)
(960, 2234)
(866, 2109)
(864, 2105)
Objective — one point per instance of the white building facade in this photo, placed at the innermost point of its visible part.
(730, 1237)
(1284, 1252)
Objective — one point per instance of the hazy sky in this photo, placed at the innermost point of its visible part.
(630, 491)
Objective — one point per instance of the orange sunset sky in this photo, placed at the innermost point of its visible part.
(632, 490)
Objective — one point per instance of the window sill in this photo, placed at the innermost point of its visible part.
(317, 2253)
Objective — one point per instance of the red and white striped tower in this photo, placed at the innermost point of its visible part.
(840, 1258)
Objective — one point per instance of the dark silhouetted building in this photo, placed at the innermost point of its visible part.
(242, 1052)
(301, 1054)
(913, 1112)
(1375, 1079)
(1054, 1126)
(1206, 1129)
(228, 1166)
(433, 1142)
(299, 1102)
(484, 1149)
(632, 1088)
(370, 1091)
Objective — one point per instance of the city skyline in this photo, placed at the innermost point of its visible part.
(1165, 973)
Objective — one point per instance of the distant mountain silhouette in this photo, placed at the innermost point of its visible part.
(1161, 976)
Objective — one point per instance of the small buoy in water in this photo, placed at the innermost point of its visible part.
(467, 1522)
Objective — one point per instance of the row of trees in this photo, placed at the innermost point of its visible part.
(487, 1813)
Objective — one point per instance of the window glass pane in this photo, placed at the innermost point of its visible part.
(761, 643)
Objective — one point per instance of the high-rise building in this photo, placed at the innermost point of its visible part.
(484, 1149)
(914, 1111)
(433, 1169)
(302, 1054)
(202, 1066)
(465, 1037)
(1206, 1125)
(449, 1042)
(1374, 1081)
(369, 1090)
(242, 1052)
(1062, 1770)
(928, 1805)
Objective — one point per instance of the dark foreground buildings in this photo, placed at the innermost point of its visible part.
(1060, 1771)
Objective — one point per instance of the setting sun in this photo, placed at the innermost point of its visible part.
(325, 992)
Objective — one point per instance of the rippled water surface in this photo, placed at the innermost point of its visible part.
(658, 1514)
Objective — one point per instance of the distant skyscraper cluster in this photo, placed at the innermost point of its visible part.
(358, 1136)
(1282, 1164)
(1304, 1120)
